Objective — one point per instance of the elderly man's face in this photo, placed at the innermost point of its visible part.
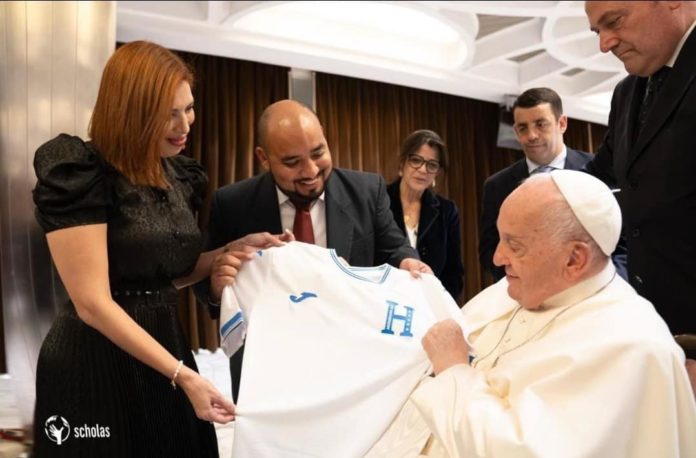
(534, 261)
(643, 35)
(298, 157)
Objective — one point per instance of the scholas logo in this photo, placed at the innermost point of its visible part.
(94, 431)
(57, 429)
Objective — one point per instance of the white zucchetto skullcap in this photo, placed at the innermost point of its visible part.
(593, 204)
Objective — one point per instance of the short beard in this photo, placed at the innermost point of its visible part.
(301, 199)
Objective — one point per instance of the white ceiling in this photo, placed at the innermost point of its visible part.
(482, 50)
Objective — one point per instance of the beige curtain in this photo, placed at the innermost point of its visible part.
(584, 136)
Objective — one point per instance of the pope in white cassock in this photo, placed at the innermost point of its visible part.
(569, 360)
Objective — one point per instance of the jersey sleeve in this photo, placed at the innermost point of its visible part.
(238, 300)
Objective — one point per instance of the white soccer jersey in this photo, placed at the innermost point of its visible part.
(332, 351)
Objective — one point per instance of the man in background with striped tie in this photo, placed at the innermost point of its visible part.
(539, 124)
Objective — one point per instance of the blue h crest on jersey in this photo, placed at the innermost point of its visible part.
(392, 315)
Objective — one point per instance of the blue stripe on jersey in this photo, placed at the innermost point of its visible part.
(232, 324)
(353, 271)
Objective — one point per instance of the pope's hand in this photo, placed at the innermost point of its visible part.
(445, 345)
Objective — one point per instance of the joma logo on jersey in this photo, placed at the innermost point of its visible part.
(392, 315)
(301, 297)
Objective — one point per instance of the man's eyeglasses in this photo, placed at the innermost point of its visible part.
(417, 161)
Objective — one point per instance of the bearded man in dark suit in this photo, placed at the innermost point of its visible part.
(349, 210)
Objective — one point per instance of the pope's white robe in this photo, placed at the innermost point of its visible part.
(596, 373)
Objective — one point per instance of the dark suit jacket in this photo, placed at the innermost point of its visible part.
(439, 238)
(359, 225)
(655, 172)
(496, 188)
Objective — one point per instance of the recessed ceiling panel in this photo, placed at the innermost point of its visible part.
(387, 30)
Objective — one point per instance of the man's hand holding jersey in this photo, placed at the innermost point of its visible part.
(227, 264)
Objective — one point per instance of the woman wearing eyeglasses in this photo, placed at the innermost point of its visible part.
(430, 221)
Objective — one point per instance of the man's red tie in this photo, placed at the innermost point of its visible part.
(303, 230)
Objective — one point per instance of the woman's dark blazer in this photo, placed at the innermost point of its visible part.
(439, 238)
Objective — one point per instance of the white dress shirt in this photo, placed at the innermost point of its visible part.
(557, 163)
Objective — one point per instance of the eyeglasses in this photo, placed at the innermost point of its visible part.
(541, 125)
(417, 161)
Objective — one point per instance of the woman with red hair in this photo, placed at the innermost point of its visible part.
(119, 216)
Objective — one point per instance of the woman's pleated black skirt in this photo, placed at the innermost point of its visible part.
(115, 406)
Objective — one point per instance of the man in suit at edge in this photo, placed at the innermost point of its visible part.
(650, 147)
(539, 124)
(349, 210)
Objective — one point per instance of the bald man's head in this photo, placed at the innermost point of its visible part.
(292, 146)
(283, 111)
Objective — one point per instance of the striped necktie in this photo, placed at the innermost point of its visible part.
(652, 88)
(542, 169)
